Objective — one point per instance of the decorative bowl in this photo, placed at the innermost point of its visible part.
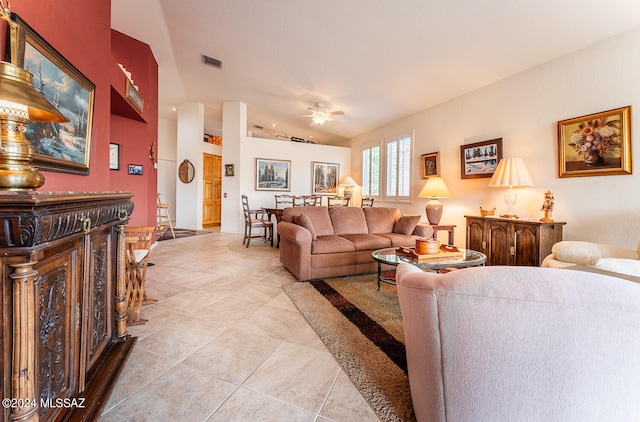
(485, 213)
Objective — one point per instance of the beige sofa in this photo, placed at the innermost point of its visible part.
(317, 242)
(599, 256)
(521, 344)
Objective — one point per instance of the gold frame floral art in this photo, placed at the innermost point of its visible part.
(597, 144)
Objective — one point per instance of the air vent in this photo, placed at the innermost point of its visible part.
(211, 61)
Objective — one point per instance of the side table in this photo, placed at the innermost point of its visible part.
(439, 227)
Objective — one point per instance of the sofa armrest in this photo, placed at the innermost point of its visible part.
(423, 230)
(294, 232)
(578, 251)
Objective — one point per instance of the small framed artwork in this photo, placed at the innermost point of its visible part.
(114, 156)
(273, 175)
(229, 170)
(133, 95)
(430, 164)
(135, 169)
(325, 178)
(595, 145)
(480, 159)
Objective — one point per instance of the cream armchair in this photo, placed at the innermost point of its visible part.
(596, 255)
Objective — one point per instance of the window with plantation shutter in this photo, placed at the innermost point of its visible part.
(371, 171)
(398, 169)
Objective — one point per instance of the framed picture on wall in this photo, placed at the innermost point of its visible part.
(63, 147)
(595, 145)
(135, 169)
(273, 175)
(480, 159)
(430, 164)
(114, 156)
(325, 178)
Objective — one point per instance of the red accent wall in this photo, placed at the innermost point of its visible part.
(80, 31)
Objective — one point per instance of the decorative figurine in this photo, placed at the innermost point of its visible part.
(547, 206)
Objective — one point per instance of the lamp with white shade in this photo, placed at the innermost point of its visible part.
(510, 173)
(434, 188)
(348, 184)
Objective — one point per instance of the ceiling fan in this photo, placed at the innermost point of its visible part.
(319, 116)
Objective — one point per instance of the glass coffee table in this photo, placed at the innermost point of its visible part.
(394, 256)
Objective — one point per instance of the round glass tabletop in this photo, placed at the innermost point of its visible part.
(464, 258)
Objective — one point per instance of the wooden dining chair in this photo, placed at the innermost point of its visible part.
(338, 201)
(255, 219)
(307, 201)
(138, 245)
(284, 201)
(366, 202)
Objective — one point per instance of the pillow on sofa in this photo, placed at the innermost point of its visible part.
(406, 224)
(618, 265)
(304, 221)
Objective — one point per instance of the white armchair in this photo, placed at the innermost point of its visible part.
(604, 257)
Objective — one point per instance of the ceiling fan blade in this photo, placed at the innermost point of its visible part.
(336, 113)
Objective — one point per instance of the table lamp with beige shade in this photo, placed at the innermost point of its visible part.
(434, 188)
(348, 184)
(510, 173)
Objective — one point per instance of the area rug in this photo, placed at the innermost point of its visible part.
(362, 328)
(166, 235)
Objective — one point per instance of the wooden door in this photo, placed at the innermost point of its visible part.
(212, 198)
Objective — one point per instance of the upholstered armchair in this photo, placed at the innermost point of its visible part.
(598, 256)
(505, 343)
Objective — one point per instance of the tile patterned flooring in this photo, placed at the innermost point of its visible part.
(225, 343)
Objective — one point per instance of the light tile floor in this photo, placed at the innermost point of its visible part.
(225, 343)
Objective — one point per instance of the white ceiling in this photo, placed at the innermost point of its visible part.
(376, 60)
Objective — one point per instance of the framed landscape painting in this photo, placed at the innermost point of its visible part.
(61, 147)
(273, 175)
(595, 145)
(480, 159)
(325, 178)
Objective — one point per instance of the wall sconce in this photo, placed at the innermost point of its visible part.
(510, 173)
(20, 103)
(434, 188)
(348, 184)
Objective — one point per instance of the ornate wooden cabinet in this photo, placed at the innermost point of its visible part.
(63, 330)
(508, 241)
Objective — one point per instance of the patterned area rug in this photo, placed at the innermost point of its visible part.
(362, 328)
(166, 235)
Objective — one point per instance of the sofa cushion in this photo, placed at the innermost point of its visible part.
(406, 224)
(304, 221)
(348, 220)
(319, 217)
(399, 239)
(381, 219)
(618, 265)
(367, 242)
(331, 244)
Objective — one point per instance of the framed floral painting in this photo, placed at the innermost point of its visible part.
(595, 145)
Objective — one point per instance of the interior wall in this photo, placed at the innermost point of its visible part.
(524, 110)
(167, 167)
(301, 156)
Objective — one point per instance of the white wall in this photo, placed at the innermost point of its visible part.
(524, 111)
(167, 167)
(301, 156)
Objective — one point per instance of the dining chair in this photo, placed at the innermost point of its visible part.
(138, 245)
(307, 201)
(163, 220)
(257, 222)
(366, 202)
(338, 201)
(284, 201)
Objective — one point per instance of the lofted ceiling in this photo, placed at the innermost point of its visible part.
(375, 60)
